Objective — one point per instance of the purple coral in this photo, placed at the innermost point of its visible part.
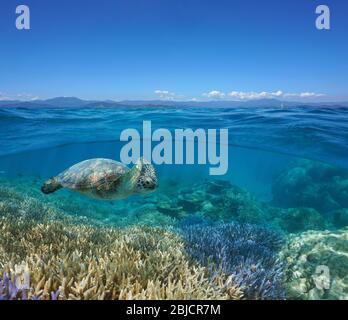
(246, 251)
(10, 291)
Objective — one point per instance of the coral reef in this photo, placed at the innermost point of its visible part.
(340, 217)
(216, 200)
(317, 265)
(295, 220)
(191, 242)
(219, 200)
(311, 184)
(17, 288)
(208, 201)
(246, 252)
(45, 254)
(119, 213)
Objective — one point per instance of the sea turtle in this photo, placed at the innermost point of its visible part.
(105, 179)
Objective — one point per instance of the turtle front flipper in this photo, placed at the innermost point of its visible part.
(51, 186)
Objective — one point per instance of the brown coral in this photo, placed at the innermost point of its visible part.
(44, 251)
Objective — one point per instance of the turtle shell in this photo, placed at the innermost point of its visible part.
(94, 175)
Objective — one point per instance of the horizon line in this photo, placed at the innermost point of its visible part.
(194, 101)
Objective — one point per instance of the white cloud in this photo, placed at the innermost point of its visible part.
(240, 95)
(311, 94)
(165, 94)
(26, 96)
(251, 95)
(3, 97)
(255, 95)
(18, 96)
(304, 95)
(214, 94)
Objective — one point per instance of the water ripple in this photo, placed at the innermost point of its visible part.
(320, 133)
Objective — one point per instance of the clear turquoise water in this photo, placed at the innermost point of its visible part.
(39, 143)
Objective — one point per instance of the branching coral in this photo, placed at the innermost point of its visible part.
(49, 255)
(245, 251)
(17, 287)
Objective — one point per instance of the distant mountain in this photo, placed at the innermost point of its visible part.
(72, 102)
(59, 102)
(65, 102)
(8, 103)
(23, 104)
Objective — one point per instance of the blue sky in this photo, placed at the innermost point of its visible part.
(182, 49)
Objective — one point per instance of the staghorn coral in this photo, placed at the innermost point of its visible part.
(245, 251)
(45, 254)
(17, 287)
(306, 254)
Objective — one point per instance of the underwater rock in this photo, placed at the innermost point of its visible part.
(192, 201)
(296, 220)
(311, 184)
(238, 204)
(217, 186)
(220, 201)
(317, 265)
(248, 253)
(149, 215)
(167, 209)
(340, 217)
(228, 202)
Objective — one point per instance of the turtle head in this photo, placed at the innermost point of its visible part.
(146, 178)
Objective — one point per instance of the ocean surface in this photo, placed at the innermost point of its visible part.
(308, 132)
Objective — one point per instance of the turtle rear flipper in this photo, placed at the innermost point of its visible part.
(51, 186)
